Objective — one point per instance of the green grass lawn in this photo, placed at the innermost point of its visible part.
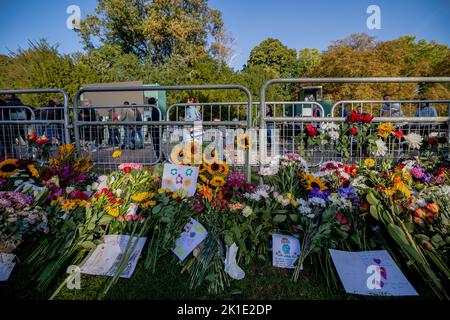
(262, 281)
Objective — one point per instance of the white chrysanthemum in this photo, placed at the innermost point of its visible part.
(381, 148)
(339, 202)
(359, 182)
(317, 202)
(414, 140)
(303, 206)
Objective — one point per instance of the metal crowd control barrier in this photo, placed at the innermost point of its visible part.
(79, 123)
(14, 128)
(429, 125)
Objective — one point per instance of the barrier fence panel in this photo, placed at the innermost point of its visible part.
(18, 121)
(146, 140)
(429, 118)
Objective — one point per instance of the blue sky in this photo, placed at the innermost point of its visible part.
(298, 24)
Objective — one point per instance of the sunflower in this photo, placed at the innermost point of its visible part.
(385, 129)
(177, 154)
(243, 141)
(8, 167)
(83, 164)
(33, 171)
(202, 168)
(313, 182)
(224, 169)
(203, 178)
(217, 182)
(214, 168)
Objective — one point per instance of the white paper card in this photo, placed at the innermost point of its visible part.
(6, 265)
(106, 257)
(371, 273)
(193, 234)
(285, 251)
(176, 177)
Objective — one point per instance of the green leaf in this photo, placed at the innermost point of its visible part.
(374, 212)
(372, 199)
(228, 240)
(436, 239)
(105, 220)
(88, 245)
(279, 218)
(294, 217)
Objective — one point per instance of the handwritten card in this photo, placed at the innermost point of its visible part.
(106, 257)
(371, 273)
(285, 251)
(176, 177)
(193, 234)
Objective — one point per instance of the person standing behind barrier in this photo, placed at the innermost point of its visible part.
(269, 114)
(88, 114)
(155, 130)
(137, 130)
(54, 112)
(193, 113)
(114, 134)
(391, 109)
(19, 114)
(425, 110)
(126, 115)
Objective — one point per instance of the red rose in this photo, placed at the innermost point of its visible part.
(354, 117)
(112, 201)
(399, 134)
(366, 118)
(127, 169)
(353, 131)
(312, 132)
(105, 190)
(110, 195)
(442, 140)
(427, 246)
(120, 201)
(338, 216)
(432, 141)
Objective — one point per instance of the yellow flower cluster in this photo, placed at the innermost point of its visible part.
(112, 211)
(385, 129)
(70, 205)
(33, 171)
(145, 199)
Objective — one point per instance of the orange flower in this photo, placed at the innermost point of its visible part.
(207, 193)
(420, 213)
(433, 207)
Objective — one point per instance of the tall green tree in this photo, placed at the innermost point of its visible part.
(156, 30)
(275, 58)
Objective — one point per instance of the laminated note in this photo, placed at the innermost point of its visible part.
(371, 273)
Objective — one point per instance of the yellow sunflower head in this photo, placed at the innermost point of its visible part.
(313, 182)
(217, 182)
(244, 141)
(214, 168)
(83, 164)
(8, 167)
(369, 163)
(224, 169)
(203, 178)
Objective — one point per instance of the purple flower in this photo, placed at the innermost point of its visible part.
(235, 179)
(417, 172)
(315, 193)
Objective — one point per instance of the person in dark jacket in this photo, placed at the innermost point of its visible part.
(155, 130)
